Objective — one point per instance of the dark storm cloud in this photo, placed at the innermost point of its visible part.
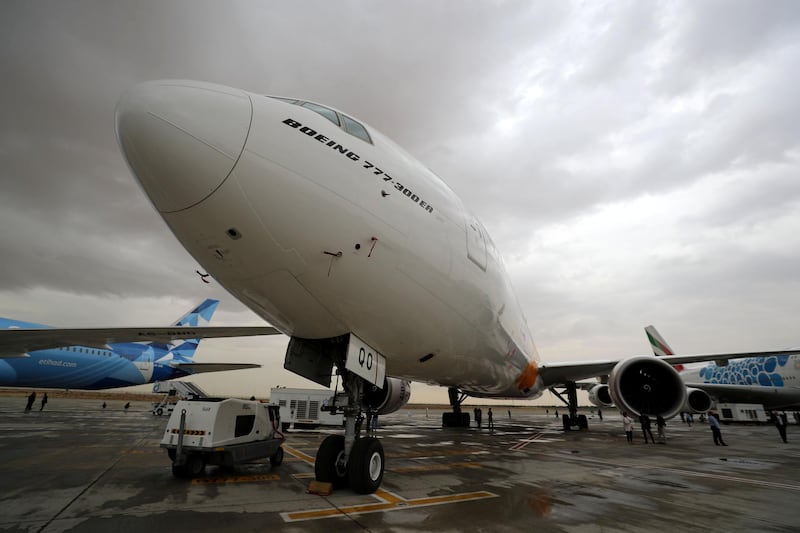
(634, 161)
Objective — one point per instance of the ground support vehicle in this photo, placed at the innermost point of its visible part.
(224, 432)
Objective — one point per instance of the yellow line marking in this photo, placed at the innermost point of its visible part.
(388, 501)
(235, 479)
(390, 497)
(392, 502)
(300, 455)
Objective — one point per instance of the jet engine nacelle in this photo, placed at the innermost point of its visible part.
(697, 401)
(599, 395)
(394, 395)
(648, 385)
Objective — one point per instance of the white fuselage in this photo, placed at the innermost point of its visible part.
(322, 233)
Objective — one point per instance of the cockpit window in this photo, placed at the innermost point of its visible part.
(330, 114)
(354, 128)
(348, 124)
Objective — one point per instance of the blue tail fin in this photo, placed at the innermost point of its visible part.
(184, 352)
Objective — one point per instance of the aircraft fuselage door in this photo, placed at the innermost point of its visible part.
(476, 243)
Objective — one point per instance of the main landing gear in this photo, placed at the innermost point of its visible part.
(573, 419)
(350, 459)
(456, 418)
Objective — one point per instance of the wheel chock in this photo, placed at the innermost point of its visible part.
(320, 488)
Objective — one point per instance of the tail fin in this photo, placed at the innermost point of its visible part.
(659, 345)
(199, 316)
(202, 312)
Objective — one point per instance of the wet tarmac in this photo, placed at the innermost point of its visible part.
(78, 467)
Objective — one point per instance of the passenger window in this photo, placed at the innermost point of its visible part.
(330, 114)
(354, 128)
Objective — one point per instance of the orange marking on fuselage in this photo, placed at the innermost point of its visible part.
(528, 376)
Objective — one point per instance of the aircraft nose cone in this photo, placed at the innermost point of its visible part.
(182, 138)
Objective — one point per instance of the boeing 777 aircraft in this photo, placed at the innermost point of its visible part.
(773, 381)
(105, 366)
(365, 258)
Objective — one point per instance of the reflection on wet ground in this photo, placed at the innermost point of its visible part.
(79, 467)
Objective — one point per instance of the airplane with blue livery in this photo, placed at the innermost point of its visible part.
(99, 362)
(773, 381)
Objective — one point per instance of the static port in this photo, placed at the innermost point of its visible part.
(234, 234)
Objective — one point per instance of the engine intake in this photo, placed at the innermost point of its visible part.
(600, 396)
(647, 385)
(697, 401)
(393, 396)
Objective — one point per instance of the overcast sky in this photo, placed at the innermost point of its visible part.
(635, 162)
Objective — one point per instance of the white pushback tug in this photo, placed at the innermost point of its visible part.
(225, 432)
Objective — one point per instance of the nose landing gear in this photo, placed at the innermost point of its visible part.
(351, 460)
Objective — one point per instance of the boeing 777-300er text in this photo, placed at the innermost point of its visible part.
(773, 381)
(359, 253)
(34, 355)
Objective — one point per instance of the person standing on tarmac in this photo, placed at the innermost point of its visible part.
(780, 423)
(31, 399)
(627, 423)
(660, 425)
(491, 419)
(44, 402)
(713, 423)
(644, 421)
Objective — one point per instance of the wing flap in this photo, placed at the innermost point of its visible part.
(199, 368)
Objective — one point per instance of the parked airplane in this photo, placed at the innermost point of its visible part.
(105, 366)
(362, 255)
(773, 381)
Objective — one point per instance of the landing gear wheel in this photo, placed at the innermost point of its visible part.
(159, 411)
(327, 467)
(179, 471)
(455, 420)
(565, 422)
(276, 458)
(195, 465)
(583, 422)
(365, 465)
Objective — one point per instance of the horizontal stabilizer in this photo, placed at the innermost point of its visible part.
(199, 368)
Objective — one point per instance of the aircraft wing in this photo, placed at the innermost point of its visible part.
(199, 368)
(16, 342)
(770, 397)
(561, 372)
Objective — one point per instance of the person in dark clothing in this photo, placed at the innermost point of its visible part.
(780, 423)
(31, 399)
(644, 421)
(491, 419)
(660, 425)
(479, 416)
(44, 401)
(600, 414)
(104, 405)
(127, 406)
